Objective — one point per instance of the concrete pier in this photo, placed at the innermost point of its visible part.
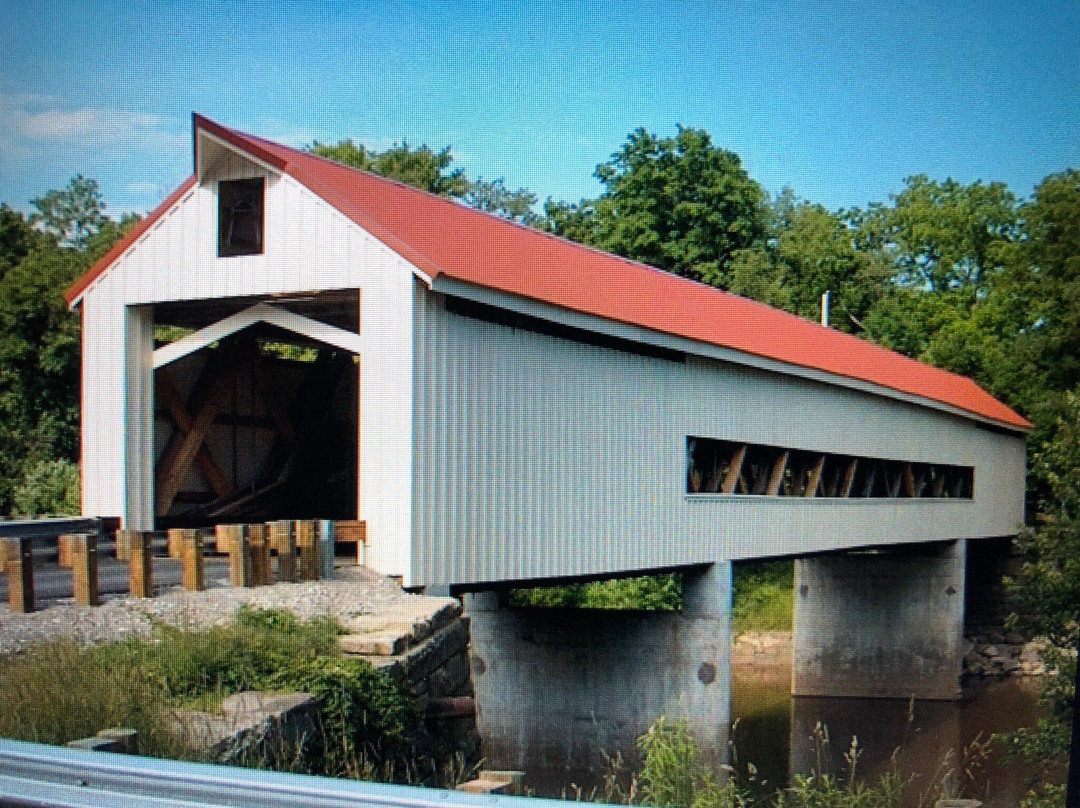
(886, 624)
(562, 687)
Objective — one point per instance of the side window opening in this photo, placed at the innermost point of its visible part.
(240, 217)
(731, 467)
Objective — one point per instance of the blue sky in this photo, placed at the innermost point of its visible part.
(840, 100)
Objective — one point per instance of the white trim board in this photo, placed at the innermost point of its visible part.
(264, 313)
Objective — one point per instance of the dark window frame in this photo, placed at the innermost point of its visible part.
(241, 217)
(763, 470)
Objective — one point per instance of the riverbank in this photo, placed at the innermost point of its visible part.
(993, 656)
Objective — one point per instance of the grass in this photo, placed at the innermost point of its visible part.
(763, 596)
(673, 773)
(59, 692)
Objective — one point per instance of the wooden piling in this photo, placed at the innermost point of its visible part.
(84, 566)
(350, 531)
(307, 544)
(192, 571)
(64, 553)
(260, 555)
(19, 566)
(123, 544)
(327, 537)
(239, 548)
(284, 544)
(141, 565)
(224, 536)
(173, 539)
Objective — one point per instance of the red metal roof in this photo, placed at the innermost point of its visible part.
(444, 238)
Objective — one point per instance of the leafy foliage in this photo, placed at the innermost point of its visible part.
(47, 488)
(661, 593)
(72, 215)
(678, 203)
(674, 774)
(421, 168)
(763, 599)
(494, 197)
(63, 692)
(807, 251)
(39, 342)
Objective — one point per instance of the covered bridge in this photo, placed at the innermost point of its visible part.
(286, 336)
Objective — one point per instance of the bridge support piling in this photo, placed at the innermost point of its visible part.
(883, 624)
(558, 689)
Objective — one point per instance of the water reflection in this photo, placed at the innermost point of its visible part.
(923, 741)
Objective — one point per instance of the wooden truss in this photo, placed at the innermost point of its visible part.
(194, 417)
(727, 467)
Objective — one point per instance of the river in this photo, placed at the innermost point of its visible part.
(923, 741)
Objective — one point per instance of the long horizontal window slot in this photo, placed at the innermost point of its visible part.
(751, 469)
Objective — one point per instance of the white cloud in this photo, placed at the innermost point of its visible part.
(35, 126)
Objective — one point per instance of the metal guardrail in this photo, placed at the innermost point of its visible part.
(51, 527)
(39, 775)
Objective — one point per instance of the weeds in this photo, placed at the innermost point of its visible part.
(674, 774)
(60, 692)
(763, 596)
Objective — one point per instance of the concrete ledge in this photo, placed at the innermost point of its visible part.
(250, 726)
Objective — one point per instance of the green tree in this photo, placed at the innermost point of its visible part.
(421, 168)
(39, 365)
(17, 238)
(39, 342)
(494, 197)
(806, 252)
(678, 203)
(943, 235)
(71, 215)
(944, 244)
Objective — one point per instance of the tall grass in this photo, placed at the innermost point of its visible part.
(60, 692)
(673, 773)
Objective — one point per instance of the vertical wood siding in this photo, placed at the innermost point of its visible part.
(308, 246)
(542, 457)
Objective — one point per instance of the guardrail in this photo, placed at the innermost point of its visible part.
(39, 775)
(53, 526)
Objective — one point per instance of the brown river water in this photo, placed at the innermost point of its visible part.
(923, 741)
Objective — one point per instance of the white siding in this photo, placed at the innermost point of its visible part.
(541, 457)
(308, 246)
(117, 412)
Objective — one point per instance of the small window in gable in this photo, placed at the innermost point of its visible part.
(240, 217)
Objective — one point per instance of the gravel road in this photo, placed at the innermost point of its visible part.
(353, 592)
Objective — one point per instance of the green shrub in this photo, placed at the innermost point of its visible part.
(59, 692)
(662, 593)
(763, 596)
(673, 773)
(368, 720)
(247, 654)
(47, 488)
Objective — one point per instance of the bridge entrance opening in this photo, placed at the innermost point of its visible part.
(261, 423)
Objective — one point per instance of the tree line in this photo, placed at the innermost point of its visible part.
(968, 277)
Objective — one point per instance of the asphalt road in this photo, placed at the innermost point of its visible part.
(52, 582)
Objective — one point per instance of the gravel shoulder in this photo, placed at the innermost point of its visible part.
(353, 593)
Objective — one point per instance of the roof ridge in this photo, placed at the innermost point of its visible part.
(442, 236)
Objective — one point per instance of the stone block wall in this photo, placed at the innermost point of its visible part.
(424, 645)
